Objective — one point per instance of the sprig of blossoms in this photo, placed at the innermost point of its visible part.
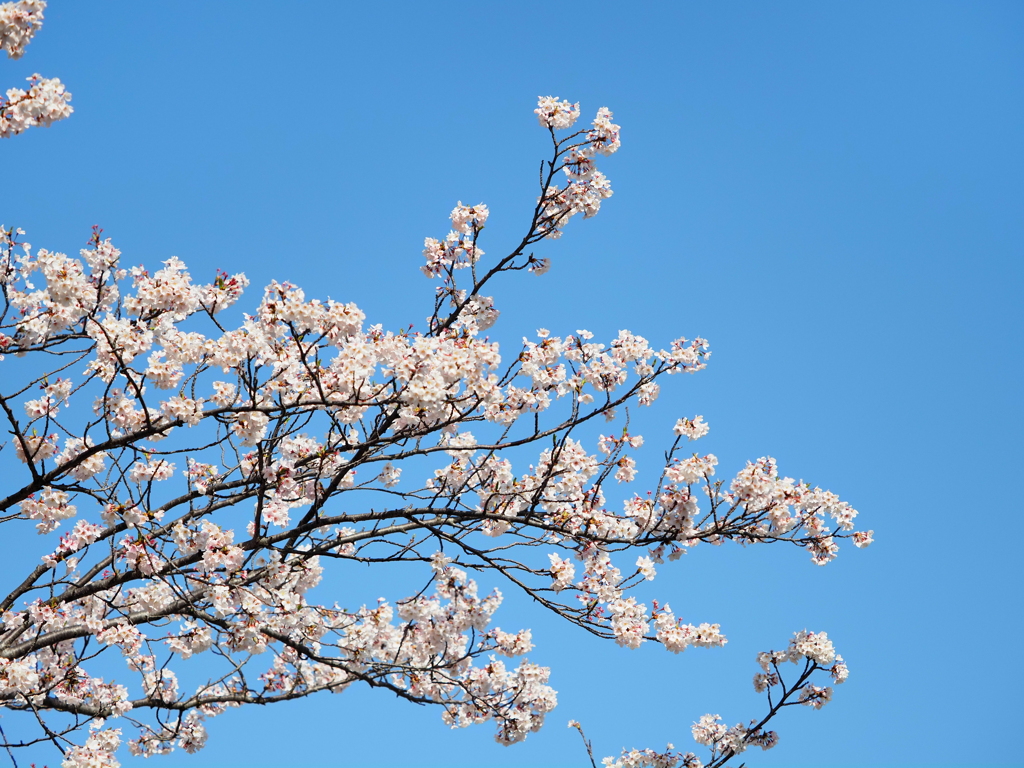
(45, 102)
(98, 750)
(694, 428)
(813, 649)
(587, 186)
(19, 22)
(647, 758)
(555, 114)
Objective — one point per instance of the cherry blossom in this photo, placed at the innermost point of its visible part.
(19, 21)
(555, 114)
(692, 428)
(44, 102)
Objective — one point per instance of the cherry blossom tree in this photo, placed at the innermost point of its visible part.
(194, 481)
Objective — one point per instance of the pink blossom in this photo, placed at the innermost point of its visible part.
(556, 114)
(45, 102)
(19, 21)
(692, 428)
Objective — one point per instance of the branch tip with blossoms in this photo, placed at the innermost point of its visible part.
(810, 652)
(19, 22)
(207, 475)
(46, 101)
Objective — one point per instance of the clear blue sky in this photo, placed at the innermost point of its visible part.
(832, 193)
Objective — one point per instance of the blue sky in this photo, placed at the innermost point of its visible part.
(832, 194)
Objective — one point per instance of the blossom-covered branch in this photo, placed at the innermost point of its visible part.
(19, 23)
(194, 479)
(46, 101)
(810, 652)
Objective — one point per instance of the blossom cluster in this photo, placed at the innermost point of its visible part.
(46, 101)
(811, 650)
(648, 758)
(459, 248)
(587, 187)
(19, 21)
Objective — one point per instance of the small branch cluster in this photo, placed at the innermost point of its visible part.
(810, 652)
(19, 23)
(46, 101)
